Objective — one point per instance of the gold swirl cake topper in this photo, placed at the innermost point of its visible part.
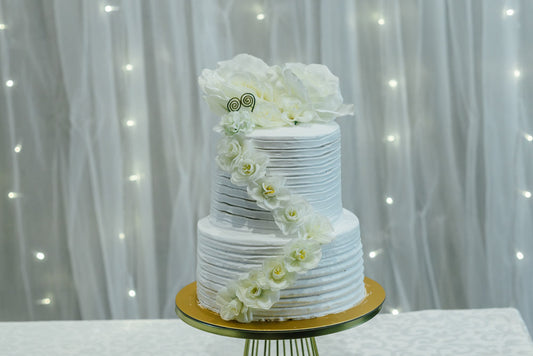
(247, 100)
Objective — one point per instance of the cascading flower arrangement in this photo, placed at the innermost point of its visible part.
(270, 96)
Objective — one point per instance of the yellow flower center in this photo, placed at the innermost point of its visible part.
(255, 291)
(247, 168)
(277, 272)
(268, 190)
(300, 254)
(291, 214)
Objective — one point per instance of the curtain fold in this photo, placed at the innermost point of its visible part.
(106, 147)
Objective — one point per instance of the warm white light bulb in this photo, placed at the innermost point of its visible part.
(381, 21)
(17, 148)
(132, 293)
(45, 301)
(40, 256)
(260, 17)
(389, 200)
(395, 312)
(509, 12)
(528, 137)
(133, 177)
(128, 67)
(12, 195)
(519, 255)
(9, 83)
(130, 123)
(393, 83)
(391, 138)
(375, 253)
(527, 194)
(122, 236)
(516, 73)
(2, 26)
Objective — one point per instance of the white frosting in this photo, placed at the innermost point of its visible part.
(308, 156)
(225, 253)
(238, 235)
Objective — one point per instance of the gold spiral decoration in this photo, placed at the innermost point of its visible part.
(234, 104)
(248, 100)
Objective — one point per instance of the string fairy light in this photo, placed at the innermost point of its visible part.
(133, 178)
(132, 293)
(517, 73)
(40, 256)
(519, 255)
(526, 194)
(375, 253)
(381, 21)
(128, 67)
(390, 138)
(122, 236)
(528, 137)
(395, 311)
(509, 12)
(45, 301)
(389, 200)
(9, 83)
(109, 8)
(12, 195)
(3, 26)
(260, 16)
(393, 83)
(130, 123)
(17, 148)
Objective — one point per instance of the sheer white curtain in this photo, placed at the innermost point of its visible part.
(106, 147)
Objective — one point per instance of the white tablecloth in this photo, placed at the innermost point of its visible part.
(432, 332)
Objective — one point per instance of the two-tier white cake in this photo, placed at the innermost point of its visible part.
(277, 244)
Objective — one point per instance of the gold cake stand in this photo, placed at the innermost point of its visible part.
(292, 337)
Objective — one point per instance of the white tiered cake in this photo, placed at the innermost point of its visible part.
(277, 244)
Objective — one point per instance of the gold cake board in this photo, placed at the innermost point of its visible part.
(188, 309)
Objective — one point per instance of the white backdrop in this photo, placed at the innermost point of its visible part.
(106, 146)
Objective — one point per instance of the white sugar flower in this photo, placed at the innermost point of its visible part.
(229, 149)
(248, 167)
(235, 123)
(294, 111)
(291, 214)
(267, 115)
(315, 85)
(232, 78)
(317, 228)
(276, 273)
(268, 192)
(231, 308)
(302, 255)
(254, 293)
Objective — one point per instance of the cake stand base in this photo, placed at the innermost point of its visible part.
(303, 347)
(292, 337)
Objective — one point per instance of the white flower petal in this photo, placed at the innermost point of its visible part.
(248, 167)
(291, 214)
(302, 255)
(268, 192)
(317, 228)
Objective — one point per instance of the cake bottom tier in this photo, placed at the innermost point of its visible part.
(335, 285)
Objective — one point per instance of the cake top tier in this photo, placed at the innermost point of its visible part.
(307, 156)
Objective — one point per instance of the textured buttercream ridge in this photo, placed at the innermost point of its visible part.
(333, 286)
